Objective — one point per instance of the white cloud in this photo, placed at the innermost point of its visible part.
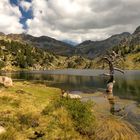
(9, 18)
(76, 20)
(25, 5)
(79, 20)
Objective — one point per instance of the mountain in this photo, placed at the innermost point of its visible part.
(17, 55)
(46, 43)
(130, 44)
(137, 31)
(135, 40)
(88, 49)
(72, 43)
(130, 50)
(92, 49)
(23, 51)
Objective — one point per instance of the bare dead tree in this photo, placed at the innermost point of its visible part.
(110, 59)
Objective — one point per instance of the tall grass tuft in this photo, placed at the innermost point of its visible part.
(113, 128)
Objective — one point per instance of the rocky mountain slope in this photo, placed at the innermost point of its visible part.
(130, 50)
(16, 55)
(92, 49)
(44, 42)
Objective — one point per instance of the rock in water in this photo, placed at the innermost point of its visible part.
(6, 81)
(2, 130)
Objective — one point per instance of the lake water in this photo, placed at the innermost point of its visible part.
(127, 85)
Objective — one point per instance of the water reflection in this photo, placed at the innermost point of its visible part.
(127, 86)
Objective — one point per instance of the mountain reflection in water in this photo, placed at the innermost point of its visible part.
(126, 86)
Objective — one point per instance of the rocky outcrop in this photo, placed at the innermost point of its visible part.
(6, 81)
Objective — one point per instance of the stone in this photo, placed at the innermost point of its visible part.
(72, 96)
(6, 81)
(2, 130)
(20, 91)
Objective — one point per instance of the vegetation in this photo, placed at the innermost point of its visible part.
(80, 113)
(20, 55)
(113, 128)
(130, 54)
(15, 55)
(43, 114)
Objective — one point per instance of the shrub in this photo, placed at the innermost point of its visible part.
(80, 112)
(28, 120)
(2, 64)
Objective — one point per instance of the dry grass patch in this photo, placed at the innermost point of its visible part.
(113, 128)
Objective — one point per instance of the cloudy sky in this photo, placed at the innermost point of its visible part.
(75, 20)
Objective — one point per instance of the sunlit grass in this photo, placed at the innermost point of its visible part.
(35, 111)
(113, 128)
(21, 114)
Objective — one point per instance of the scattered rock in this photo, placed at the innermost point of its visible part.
(6, 81)
(20, 91)
(39, 134)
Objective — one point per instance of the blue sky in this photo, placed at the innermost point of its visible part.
(25, 14)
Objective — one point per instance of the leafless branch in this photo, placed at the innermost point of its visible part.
(107, 74)
(117, 69)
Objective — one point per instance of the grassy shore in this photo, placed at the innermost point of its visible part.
(35, 111)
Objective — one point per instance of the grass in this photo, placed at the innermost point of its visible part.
(35, 111)
(113, 128)
(21, 113)
(80, 113)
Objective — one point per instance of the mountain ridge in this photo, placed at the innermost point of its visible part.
(88, 48)
(43, 42)
(93, 49)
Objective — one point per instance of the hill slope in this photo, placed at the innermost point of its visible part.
(92, 49)
(46, 43)
(15, 55)
(130, 50)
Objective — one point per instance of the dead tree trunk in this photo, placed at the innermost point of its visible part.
(110, 59)
(110, 96)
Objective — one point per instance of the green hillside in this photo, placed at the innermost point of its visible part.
(15, 55)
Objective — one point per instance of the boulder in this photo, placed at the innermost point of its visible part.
(2, 130)
(6, 81)
(72, 96)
